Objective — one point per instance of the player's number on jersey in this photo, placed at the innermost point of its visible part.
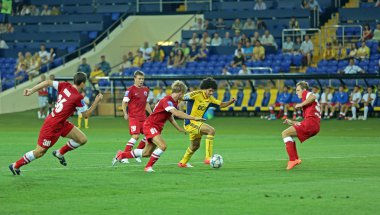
(59, 104)
(153, 131)
(133, 128)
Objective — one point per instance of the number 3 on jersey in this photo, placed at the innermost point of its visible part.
(59, 104)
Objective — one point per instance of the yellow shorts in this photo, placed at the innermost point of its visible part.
(194, 130)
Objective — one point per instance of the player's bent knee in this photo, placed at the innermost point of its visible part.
(163, 147)
(82, 140)
(211, 131)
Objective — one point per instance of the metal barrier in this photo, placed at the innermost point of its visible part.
(301, 32)
(334, 29)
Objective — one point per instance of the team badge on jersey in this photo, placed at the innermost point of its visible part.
(145, 93)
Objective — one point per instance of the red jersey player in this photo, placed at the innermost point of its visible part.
(164, 110)
(135, 98)
(303, 130)
(56, 124)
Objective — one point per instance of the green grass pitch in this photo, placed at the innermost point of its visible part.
(340, 172)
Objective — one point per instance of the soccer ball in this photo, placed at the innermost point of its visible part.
(216, 161)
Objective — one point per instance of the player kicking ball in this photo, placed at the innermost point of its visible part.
(56, 124)
(303, 130)
(154, 124)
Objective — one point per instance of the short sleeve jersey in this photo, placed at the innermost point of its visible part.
(313, 110)
(198, 103)
(161, 112)
(137, 98)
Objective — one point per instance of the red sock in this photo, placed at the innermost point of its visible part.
(295, 151)
(70, 145)
(141, 145)
(290, 146)
(130, 145)
(152, 160)
(128, 154)
(27, 158)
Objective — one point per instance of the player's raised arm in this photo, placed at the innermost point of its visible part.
(89, 111)
(183, 115)
(310, 99)
(47, 83)
(228, 103)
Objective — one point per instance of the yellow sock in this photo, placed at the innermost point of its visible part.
(209, 145)
(86, 122)
(187, 156)
(79, 121)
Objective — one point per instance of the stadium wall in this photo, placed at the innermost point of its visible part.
(129, 36)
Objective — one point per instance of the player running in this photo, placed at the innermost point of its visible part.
(197, 104)
(303, 130)
(56, 124)
(136, 101)
(154, 124)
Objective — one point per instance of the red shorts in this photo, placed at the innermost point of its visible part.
(49, 136)
(307, 129)
(151, 131)
(135, 126)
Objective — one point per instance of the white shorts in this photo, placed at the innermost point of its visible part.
(42, 101)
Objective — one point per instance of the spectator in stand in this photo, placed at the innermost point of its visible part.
(243, 71)
(325, 101)
(51, 55)
(130, 57)
(176, 47)
(147, 51)
(351, 68)
(341, 52)
(248, 51)
(249, 25)
(28, 60)
(236, 38)
(239, 47)
(260, 5)
(256, 36)
(220, 25)
(160, 95)
(45, 10)
(287, 46)
(185, 50)
(198, 25)
(353, 51)
(84, 67)
(170, 63)
(313, 4)
(238, 59)
(226, 41)
(194, 39)
(258, 52)
(207, 25)
(104, 65)
(363, 52)
(35, 67)
(158, 55)
(125, 64)
(297, 46)
(268, 40)
(34, 11)
(205, 39)
(95, 74)
(261, 25)
(138, 61)
(376, 33)
(55, 11)
(193, 55)
(368, 101)
(25, 11)
(179, 59)
(305, 4)
(3, 45)
(293, 23)
(329, 53)
(216, 40)
(377, 4)
(10, 28)
(44, 55)
(307, 49)
(237, 25)
(203, 52)
(244, 39)
(355, 98)
(21, 74)
(367, 32)
(224, 83)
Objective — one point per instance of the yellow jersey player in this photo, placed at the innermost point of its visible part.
(197, 104)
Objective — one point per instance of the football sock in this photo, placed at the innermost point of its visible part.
(130, 145)
(187, 156)
(154, 157)
(142, 143)
(290, 148)
(70, 145)
(27, 158)
(209, 145)
(137, 153)
(353, 110)
(86, 122)
(365, 112)
(295, 150)
(79, 121)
